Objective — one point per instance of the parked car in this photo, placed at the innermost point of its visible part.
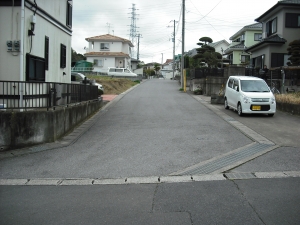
(249, 95)
(120, 72)
(82, 79)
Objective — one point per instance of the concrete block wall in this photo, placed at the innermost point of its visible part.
(21, 129)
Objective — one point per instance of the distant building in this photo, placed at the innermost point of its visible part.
(108, 51)
(219, 46)
(245, 37)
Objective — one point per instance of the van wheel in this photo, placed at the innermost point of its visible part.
(239, 110)
(226, 104)
(270, 115)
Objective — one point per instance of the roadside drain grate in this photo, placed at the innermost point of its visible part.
(226, 160)
(239, 176)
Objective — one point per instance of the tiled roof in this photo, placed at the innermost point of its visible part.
(254, 26)
(168, 61)
(214, 44)
(118, 54)
(293, 3)
(274, 39)
(109, 37)
(235, 47)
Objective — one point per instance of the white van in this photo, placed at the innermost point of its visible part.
(120, 72)
(249, 95)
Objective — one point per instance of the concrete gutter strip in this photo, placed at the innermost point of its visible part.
(148, 180)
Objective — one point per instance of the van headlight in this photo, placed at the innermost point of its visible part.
(273, 100)
(246, 99)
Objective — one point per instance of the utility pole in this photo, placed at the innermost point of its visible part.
(173, 40)
(138, 49)
(174, 51)
(182, 54)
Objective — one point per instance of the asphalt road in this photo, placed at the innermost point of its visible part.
(120, 166)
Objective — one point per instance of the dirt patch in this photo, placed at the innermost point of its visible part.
(113, 86)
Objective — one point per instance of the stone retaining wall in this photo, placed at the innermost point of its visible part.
(21, 129)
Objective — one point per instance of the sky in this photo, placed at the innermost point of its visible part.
(217, 19)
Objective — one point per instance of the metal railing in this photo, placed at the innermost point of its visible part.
(82, 69)
(25, 95)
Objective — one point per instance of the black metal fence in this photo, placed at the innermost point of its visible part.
(199, 73)
(25, 95)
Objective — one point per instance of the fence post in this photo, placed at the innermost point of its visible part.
(184, 80)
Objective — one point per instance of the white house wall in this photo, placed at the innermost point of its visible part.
(107, 62)
(45, 26)
(9, 61)
(125, 48)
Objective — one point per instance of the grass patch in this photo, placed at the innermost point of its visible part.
(292, 98)
(113, 86)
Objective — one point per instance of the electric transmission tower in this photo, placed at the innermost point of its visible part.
(133, 28)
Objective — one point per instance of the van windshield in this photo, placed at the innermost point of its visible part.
(254, 86)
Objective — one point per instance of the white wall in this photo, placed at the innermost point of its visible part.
(9, 64)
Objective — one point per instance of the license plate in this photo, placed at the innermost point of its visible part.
(256, 107)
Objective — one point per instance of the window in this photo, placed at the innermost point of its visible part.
(230, 82)
(104, 47)
(292, 20)
(35, 68)
(245, 58)
(277, 59)
(235, 84)
(69, 14)
(257, 36)
(46, 53)
(98, 62)
(271, 27)
(63, 56)
(92, 45)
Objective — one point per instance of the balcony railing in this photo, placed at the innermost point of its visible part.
(25, 95)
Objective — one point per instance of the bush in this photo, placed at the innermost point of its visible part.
(137, 81)
(292, 98)
(100, 92)
(198, 92)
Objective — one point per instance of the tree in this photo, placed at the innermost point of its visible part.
(294, 51)
(207, 55)
(140, 64)
(149, 72)
(156, 67)
(76, 56)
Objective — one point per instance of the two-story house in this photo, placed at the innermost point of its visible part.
(281, 25)
(35, 40)
(245, 37)
(108, 51)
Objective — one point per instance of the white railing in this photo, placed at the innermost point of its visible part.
(81, 69)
